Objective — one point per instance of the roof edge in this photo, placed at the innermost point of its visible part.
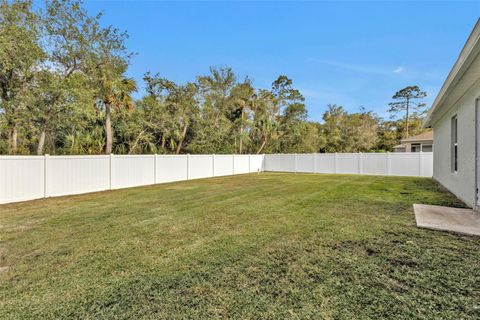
(412, 140)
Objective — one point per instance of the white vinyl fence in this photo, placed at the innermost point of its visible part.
(32, 177)
(416, 164)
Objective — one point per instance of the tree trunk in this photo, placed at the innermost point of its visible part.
(240, 144)
(134, 146)
(163, 143)
(9, 141)
(41, 143)
(13, 141)
(406, 119)
(108, 130)
(262, 146)
(180, 143)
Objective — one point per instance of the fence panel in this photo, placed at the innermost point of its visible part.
(427, 164)
(325, 163)
(132, 170)
(305, 162)
(256, 163)
(21, 178)
(374, 163)
(76, 174)
(170, 168)
(241, 164)
(418, 164)
(223, 165)
(285, 162)
(32, 177)
(404, 164)
(200, 166)
(271, 162)
(347, 163)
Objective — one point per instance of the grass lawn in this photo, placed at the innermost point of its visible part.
(262, 246)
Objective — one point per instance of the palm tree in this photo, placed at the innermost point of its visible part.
(265, 123)
(116, 94)
(242, 96)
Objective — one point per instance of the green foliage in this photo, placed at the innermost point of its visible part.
(405, 96)
(64, 89)
(176, 110)
(390, 133)
(405, 100)
(344, 132)
(20, 53)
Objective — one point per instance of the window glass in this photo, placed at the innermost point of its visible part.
(454, 144)
(427, 148)
(415, 147)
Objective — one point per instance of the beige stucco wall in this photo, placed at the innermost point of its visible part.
(461, 183)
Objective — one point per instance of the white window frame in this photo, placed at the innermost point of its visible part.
(454, 137)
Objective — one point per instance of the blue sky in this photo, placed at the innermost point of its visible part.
(350, 53)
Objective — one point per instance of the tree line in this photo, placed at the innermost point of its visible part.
(64, 90)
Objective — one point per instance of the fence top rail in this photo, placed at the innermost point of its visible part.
(223, 155)
(133, 155)
(32, 157)
(421, 152)
(171, 155)
(345, 153)
(18, 157)
(87, 156)
(200, 155)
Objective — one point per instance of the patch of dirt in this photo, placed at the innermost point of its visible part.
(355, 246)
(181, 188)
(24, 227)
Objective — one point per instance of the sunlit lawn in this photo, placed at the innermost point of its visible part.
(268, 246)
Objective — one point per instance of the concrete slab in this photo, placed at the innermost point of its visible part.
(459, 220)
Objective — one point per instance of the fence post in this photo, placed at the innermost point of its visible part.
(45, 175)
(295, 165)
(360, 162)
(388, 163)
(335, 162)
(155, 168)
(263, 162)
(420, 156)
(249, 166)
(213, 165)
(233, 164)
(188, 164)
(110, 174)
(314, 162)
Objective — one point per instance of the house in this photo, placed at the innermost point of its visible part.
(420, 143)
(455, 118)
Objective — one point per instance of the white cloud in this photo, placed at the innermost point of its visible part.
(367, 69)
(399, 69)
